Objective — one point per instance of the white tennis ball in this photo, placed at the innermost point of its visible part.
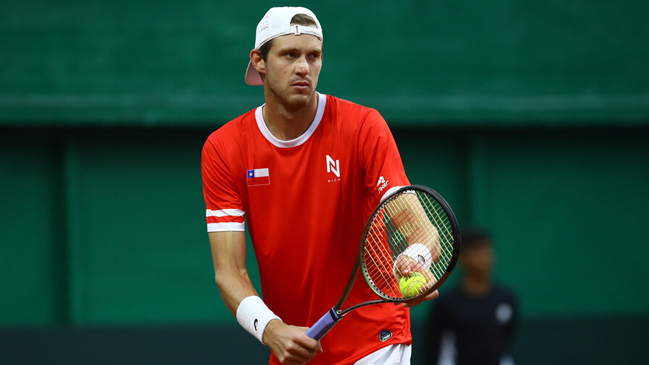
(412, 285)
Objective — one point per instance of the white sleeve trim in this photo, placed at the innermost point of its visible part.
(224, 213)
(225, 227)
(389, 192)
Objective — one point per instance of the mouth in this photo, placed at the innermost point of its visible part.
(301, 85)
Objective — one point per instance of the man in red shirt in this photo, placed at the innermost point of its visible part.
(304, 172)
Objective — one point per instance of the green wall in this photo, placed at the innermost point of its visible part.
(152, 62)
(103, 231)
(106, 225)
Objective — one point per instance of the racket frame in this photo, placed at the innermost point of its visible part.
(335, 314)
(452, 262)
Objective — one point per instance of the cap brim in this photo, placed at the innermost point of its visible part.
(252, 76)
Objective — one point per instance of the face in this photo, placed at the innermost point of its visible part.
(292, 69)
(478, 260)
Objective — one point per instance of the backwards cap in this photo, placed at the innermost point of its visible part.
(277, 23)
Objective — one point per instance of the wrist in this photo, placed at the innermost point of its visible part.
(271, 327)
(253, 315)
(418, 253)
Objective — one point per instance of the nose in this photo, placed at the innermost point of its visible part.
(302, 67)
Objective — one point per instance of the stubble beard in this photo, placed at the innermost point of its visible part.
(282, 95)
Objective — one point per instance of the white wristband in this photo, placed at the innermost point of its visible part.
(418, 252)
(253, 315)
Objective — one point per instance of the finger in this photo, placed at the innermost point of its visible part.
(309, 342)
(430, 279)
(291, 359)
(299, 354)
(426, 272)
(305, 347)
(406, 266)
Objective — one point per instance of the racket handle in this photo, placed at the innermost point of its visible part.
(323, 325)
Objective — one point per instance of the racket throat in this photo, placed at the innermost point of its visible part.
(324, 324)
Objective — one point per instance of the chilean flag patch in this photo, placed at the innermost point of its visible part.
(257, 177)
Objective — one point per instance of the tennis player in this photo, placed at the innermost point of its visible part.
(304, 172)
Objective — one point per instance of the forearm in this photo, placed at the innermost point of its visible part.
(230, 273)
(234, 286)
(237, 291)
(289, 343)
(405, 213)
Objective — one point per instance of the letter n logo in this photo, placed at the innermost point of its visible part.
(333, 166)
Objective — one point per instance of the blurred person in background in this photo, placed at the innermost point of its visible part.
(474, 322)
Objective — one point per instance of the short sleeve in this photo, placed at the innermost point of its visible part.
(380, 157)
(224, 207)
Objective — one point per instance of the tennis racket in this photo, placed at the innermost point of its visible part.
(411, 236)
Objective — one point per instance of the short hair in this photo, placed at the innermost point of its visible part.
(298, 19)
(472, 237)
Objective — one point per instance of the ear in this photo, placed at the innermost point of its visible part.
(257, 61)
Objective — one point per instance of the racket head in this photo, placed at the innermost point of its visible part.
(413, 216)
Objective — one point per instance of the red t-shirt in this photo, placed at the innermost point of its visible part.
(306, 202)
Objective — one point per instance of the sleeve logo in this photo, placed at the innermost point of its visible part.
(382, 184)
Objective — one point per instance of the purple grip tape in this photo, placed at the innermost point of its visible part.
(323, 325)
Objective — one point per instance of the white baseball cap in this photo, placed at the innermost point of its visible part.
(276, 23)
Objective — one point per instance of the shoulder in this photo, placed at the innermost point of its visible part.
(346, 105)
(231, 132)
(352, 111)
(234, 127)
(355, 120)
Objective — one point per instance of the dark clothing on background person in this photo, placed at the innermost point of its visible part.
(478, 329)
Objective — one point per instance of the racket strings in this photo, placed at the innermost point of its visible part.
(379, 253)
(405, 219)
(445, 232)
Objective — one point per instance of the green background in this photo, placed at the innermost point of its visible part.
(531, 118)
(152, 62)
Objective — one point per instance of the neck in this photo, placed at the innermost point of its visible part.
(477, 285)
(287, 123)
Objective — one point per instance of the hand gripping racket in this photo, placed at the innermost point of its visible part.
(412, 232)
